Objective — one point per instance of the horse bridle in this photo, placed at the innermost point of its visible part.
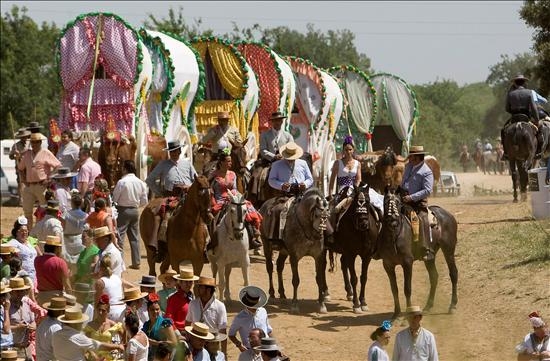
(323, 220)
(240, 215)
(361, 209)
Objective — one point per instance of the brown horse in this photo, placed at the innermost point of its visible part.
(155, 150)
(238, 158)
(146, 229)
(187, 232)
(112, 154)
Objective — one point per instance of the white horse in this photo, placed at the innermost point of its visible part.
(232, 249)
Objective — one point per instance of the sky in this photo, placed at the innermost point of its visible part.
(420, 41)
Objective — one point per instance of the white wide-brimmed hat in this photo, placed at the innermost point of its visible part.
(268, 344)
(200, 330)
(186, 274)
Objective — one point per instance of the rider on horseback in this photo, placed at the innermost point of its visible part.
(222, 135)
(520, 103)
(170, 178)
(418, 183)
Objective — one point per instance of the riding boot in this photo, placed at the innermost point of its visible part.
(253, 235)
(429, 252)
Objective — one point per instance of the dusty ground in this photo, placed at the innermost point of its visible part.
(498, 287)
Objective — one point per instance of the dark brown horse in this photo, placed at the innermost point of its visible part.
(238, 159)
(187, 232)
(356, 236)
(112, 154)
(302, 236)
(397, 248)
(520, 143)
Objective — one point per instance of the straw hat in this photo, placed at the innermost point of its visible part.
(21, 133)
(252, 297)
(132, 294)
(37, 137)
(206, 281)
(200, 330)
(101, 232)
(10, 355)
(291, 151)
(6, 249)
(73, 315)
(186, 274)
(18, 284)
(148, 281)
(268, 344)
(64, 172)
(71, 301)
(52, 241)
(218, 337)
(413, 311)
(223, 115)
(168, 274)
(417, 149)
(56, 304)
(4, 288)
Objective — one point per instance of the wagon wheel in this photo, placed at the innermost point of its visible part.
(329, 156)
(186, 145)
(141, 153)
(251, 150)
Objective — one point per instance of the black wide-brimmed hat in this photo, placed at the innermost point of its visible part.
(64, 172)
(520, 77)
(173, 145)
(277, 115)
(34, 127)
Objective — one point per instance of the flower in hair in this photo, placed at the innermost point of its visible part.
(153, 297)
(104, 299)
(226, 151)
(386, 325)
(348, 140)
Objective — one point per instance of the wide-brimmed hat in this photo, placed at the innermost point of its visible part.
(37, 137)
(206, 281)
(71, 301)
(6, 249)
(52, 241)
(413, 311)
(173, 145)
(186, 274)
(218, 337)
(56, 304)
(34, 127)
(291, 151)
(168, 274)
(132, 294)
(21, 133)
(101, 232)
(18, 284)
(148, 281)
(52, 204)
(4, 288)
(223, 115)
(520, 77)
(277, 115)
(73, 315)
(200, 330)
(416, 149)
(268, 344)
(64, 172)
(252, 297)
(10, 355)
(83, 290)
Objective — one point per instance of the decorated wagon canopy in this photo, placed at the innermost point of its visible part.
(275, 79)
(361, 107)
(398, 110)
(230, 86)
(105, 77)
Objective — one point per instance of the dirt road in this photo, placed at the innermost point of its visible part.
(498, 286)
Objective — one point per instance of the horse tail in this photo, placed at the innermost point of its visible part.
(331, 261)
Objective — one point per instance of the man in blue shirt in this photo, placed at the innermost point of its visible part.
(418, 183)
(290, 174)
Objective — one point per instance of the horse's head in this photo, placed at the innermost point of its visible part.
(360, 208)
(199, 193)
(313, 207)
(117, 148)
(235, 215)
(238, 157)
(385, 165)
(392, 206)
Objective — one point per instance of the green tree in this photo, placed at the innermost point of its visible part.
(536, 14)
(176, 24)
(30, 89)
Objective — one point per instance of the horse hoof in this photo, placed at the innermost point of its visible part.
(327, 298)
(357, 310)
(282, 296)
(349, 297)
(452, 310)
(515, 200)
(364, 308)
(323, 309)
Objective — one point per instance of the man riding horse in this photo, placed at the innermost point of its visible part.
(271, 142)
(520, 103)
(170, 179)
(221, 136)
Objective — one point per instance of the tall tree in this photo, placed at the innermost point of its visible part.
(536, 14)
(176, 24)
(30, 90)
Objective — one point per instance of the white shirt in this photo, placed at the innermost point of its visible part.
(134, 347)
(130, 191)
(250, 355)
(528, 347)
(68, 154)
(117, 263)
(377, 353)
(63, 195)
(405, 349)
(213, 314)
(245, 321)
(44, 337)
(70, 344)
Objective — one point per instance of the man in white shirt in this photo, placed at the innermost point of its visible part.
(64, 177)
(103, 239)
(68, 153)
(414, 343)
(255, 338)
(49, 325)
(129, 194)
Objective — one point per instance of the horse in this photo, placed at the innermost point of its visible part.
(397, 248)
(433, 164)
(187, 233)
(112, 154)
(521, 144)
(355, 235)
(302, 236)
(478, 158)
(491, 162)
(239, 161)
(232, 245)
